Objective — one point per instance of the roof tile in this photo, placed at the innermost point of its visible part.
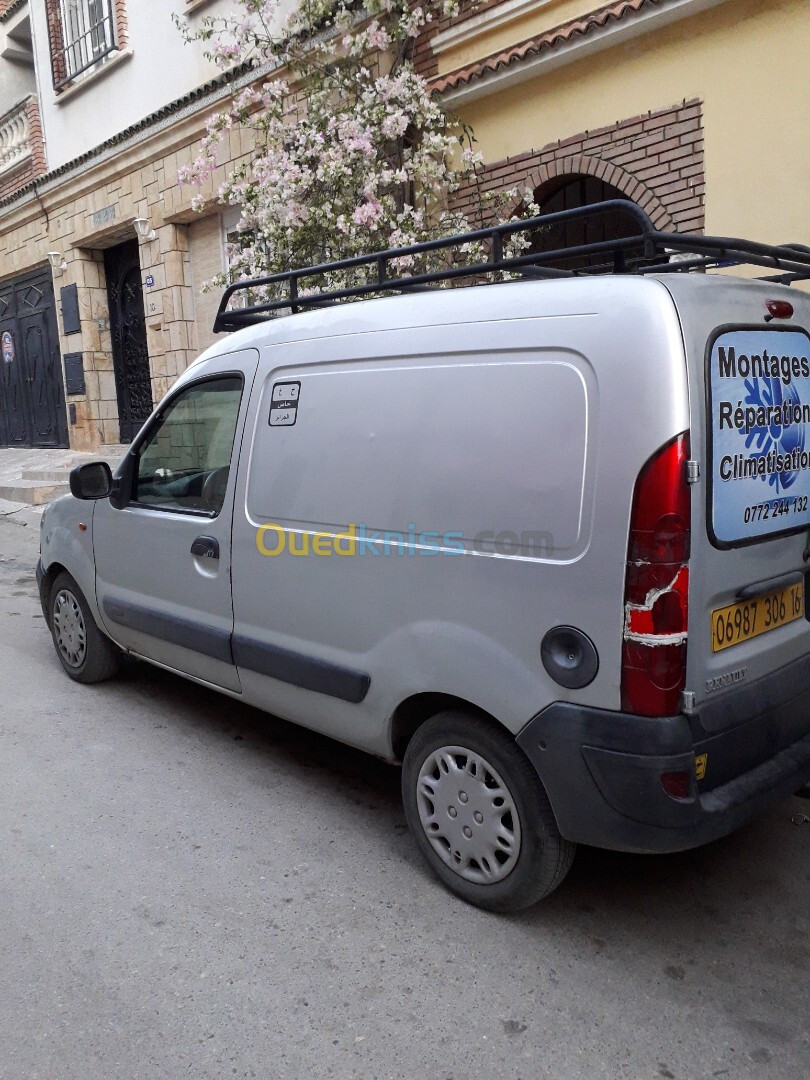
(550, 39)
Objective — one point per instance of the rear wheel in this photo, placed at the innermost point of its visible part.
(87, 655)
(480, 815)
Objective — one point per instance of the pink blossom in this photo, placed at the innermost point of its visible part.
(368, 213)
(295, 213)
(394, 124)
(377, 36)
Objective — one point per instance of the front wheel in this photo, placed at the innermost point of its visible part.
(480, 815)
(87, 655)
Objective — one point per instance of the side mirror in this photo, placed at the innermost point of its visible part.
(91, 481)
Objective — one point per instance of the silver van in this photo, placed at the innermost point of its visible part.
(543, 542)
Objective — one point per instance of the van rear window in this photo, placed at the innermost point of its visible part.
(759, 434)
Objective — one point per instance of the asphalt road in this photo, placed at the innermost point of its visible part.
(190, 888)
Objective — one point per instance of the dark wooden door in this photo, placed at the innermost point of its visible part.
(32, 397)
(133, 382)
(570, 193)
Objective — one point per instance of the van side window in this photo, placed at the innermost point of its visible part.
(185, 461)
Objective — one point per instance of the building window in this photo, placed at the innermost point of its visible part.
(234, 240)
(82, 33)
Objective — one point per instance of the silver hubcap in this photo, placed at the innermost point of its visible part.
(68, 628)
(468, 814)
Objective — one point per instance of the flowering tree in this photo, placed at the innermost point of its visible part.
(352, 152)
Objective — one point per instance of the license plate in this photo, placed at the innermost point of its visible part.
(750, 618)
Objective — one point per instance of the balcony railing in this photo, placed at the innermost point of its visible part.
(15, 138)
(86, 34)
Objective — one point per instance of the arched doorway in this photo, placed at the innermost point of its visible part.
(570, 192)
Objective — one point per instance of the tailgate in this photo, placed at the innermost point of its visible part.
(749, 385)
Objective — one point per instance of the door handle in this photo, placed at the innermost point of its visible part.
(205, 547)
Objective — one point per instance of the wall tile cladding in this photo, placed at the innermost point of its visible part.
(655, 158)
(56, 40)
(35, 166)
(207, 260)
(7, 6)
(424, 59)
(120, 15)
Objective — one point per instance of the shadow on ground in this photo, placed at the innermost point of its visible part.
(708, 890)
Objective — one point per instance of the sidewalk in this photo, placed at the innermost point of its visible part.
(32, 477)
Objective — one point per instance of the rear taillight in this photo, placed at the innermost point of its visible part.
(657, 585)
(779, 309)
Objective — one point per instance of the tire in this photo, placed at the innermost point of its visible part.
(87, 655)
(519, 856)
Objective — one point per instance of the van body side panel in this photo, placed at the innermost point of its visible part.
(487, 466)
(62, 542)
(408, 446)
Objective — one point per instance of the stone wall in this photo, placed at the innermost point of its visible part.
(93, 207)
(207, 260)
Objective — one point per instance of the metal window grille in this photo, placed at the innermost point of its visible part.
(87, 35)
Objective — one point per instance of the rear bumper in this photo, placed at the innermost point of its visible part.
(602, 770)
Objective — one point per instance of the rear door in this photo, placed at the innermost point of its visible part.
(750, 437)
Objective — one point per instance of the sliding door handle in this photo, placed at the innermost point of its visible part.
(205, 547)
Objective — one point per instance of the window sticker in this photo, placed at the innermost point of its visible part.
(284, 404)
(759, 416)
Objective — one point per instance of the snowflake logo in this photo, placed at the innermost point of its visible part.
(780, 438)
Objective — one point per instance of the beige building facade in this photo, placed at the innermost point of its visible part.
(131, 199)
(694, 109)
(112, 232)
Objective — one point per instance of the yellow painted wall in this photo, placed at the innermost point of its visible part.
(747, 60)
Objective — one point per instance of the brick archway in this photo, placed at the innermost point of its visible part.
(585, 165)
(655, 159)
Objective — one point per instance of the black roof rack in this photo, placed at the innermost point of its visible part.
(622, 256)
